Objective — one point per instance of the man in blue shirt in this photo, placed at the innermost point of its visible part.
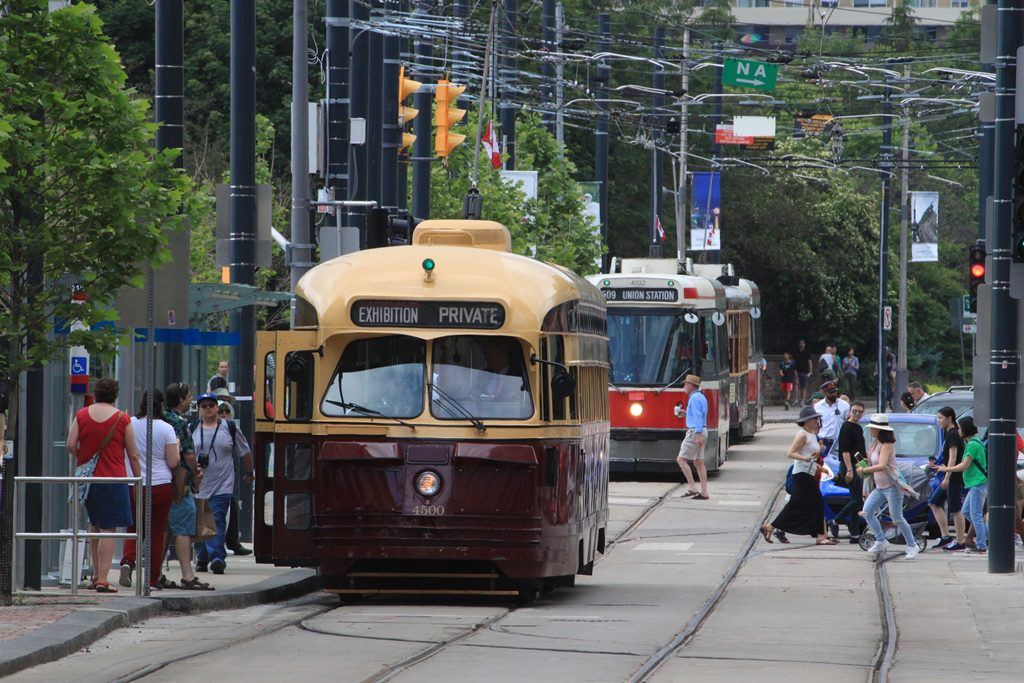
(691, 451)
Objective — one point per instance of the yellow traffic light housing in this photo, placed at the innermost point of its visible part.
(406, 87)
(447, 115)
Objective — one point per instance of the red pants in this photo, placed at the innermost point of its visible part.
(163, 495)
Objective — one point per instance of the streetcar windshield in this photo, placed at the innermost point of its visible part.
(380, 376)
(651, 348)
(482, 377)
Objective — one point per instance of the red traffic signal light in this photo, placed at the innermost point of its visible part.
(978, 271)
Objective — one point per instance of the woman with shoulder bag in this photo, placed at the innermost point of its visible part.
(889, 487)
(804, 514)
(100, 435)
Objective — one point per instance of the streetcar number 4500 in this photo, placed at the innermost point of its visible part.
(432, 510)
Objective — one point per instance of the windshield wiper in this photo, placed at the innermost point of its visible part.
(453, 403)
(356, 408)
(683, 374)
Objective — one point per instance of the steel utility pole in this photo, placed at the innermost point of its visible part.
(901, 335)
(559, 82)
(508, 84)
(242, 243)
(684, 105)
(392, 139)
(359, 102)
(604, 27)
(422, 150)
(715, 256)
(547, 14)
(884, 167)
(374, 75)
(1004, 360)
(657, 132)
(345, 237)
(300, 254)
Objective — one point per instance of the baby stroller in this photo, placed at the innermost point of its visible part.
(915, 510)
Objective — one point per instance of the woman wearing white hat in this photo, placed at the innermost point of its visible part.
(889, 486)
(804, 513)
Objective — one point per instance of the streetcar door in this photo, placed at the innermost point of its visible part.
(265, 402)
(295, 450)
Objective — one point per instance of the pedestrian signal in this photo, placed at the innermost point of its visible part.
(447, 115)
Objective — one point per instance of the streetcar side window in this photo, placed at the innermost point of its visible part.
(545, 382)
(482, 376)
(558, 356)
(298, 395)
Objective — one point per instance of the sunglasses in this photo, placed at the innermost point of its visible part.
(205, 406)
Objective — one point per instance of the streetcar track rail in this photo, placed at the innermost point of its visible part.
(655, 661)
(890, 634)
(393, 670)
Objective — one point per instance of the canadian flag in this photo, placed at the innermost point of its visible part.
(491, 145)
(661, 231)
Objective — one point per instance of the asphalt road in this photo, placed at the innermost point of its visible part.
(661, 581)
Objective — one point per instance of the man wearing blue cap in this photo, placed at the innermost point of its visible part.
(218, 444)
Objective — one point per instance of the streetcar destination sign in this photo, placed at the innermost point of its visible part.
(745, 73)
(641, 294)
(478, 315)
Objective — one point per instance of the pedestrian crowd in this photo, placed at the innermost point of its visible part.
(190, 465)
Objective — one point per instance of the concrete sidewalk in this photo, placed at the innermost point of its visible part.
(46, 625)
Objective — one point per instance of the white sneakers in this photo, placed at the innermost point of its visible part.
(913, 551)
(881, 545)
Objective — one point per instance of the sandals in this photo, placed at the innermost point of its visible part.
(827, 541)
(766, 532)
(104, 587)
(690, 494)
(195, 585)
(164, 582)
(701, 496)
(781, 535)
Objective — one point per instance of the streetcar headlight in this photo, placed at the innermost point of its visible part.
(428, 483)
(636, 409)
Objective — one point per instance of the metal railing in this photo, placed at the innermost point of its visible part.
(75, 535)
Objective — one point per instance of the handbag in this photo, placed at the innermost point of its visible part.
(206, 524)
(87, 468)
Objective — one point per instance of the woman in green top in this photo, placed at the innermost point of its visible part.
(974, 465)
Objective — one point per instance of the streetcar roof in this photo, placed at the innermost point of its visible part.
(694, 291)
(529, 290)
(752, 290)
(737, 298)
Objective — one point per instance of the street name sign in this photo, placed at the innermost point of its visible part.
(746, 73)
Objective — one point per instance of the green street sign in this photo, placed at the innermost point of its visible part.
(745, 73)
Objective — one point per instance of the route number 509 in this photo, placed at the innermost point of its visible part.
(429, 510)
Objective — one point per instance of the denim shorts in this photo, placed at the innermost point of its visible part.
(182, 519)
(109, 506)
(955, 496)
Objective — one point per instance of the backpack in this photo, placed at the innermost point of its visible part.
(789, 480)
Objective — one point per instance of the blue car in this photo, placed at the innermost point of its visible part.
(918, 438)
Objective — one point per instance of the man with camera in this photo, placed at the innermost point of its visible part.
(218, 444)
(691, 451)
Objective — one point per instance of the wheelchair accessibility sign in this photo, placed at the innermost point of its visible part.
(79, 365)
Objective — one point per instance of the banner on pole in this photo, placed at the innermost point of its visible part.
(924, 226)
(705, 212)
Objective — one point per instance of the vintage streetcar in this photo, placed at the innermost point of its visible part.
(436, 420)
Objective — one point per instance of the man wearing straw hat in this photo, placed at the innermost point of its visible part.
(691, 451)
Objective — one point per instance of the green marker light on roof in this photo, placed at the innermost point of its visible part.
(428, 264)
(607, 283)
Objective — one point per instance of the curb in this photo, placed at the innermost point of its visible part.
(283, 587)
(72, 633)
(87, 625)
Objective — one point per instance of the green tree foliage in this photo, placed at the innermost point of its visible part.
(79, 169)
(901, 27)
(552, 227)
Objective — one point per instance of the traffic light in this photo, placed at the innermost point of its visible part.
(447, 115)
(976, 271)
(406, 87)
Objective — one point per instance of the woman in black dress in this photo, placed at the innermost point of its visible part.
(804, 514)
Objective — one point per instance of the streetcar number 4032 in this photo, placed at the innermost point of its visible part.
(431, 510)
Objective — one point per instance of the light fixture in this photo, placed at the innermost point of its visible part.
(428, 483)
(636, 409)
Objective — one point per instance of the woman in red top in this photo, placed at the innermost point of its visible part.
(108, 505)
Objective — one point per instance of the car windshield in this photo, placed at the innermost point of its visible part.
(651, 348)
(380, 375)
(913, 439)
(484, 377)
(931, 405)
